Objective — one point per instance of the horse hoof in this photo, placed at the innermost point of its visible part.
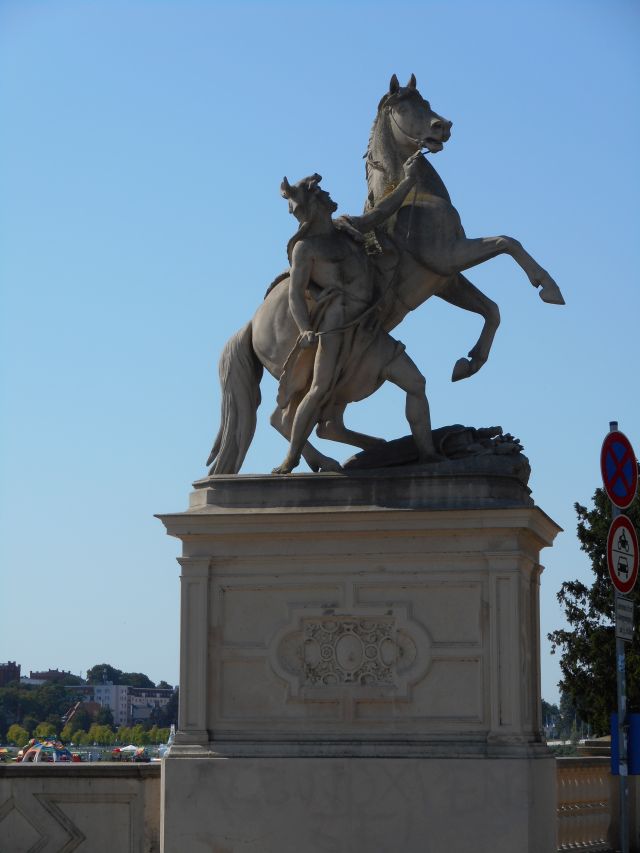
(461, 369)
(282, 469)
(551, 293)
(330, 465)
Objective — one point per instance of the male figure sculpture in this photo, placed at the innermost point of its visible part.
(332, 297)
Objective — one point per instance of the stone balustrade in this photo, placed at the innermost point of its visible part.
(584, 813)
(88, 808)
(102, 807)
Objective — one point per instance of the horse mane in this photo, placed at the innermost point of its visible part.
(368, 159)
(371, 164)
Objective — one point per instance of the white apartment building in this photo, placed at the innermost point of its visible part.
(116, 697)
(130, 705)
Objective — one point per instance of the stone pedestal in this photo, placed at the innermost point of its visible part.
(360, 666)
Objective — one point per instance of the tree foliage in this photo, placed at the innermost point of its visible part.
(17, 735)
(32, 706)
(587, 645)
(45, 730)
(136, 679)
(102, 673)
(104, 717)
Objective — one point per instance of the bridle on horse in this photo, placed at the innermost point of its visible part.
(419, 143)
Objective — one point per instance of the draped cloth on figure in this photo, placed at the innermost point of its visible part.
(365, 337)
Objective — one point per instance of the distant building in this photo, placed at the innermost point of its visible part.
(116, 697)
(9, 672)
(144, 700)
(130, 705)
(49, 675)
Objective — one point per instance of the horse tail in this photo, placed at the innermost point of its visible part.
(240, 374)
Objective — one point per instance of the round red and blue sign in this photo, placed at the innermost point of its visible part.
(622, 554)
(619, 469)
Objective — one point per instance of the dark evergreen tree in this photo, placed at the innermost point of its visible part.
(587, 645)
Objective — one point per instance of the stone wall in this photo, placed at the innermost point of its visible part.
(88, 808)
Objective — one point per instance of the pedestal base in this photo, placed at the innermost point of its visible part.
(359, 805)
(360, 666)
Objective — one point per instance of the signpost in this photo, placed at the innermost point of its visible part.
(619, 470)
(624, 618)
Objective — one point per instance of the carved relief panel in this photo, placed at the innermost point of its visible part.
(351, 652)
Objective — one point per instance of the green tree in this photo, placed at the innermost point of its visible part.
(29, 723)
(102, 735)
(81, 719)
(123, 735)
(66, 735)
(103, 672)
(70, 680)
(158, 735)
(168, 714)
(17, 735)
(587, 644)
(104, 717)
(55, 721)
(45, 730)
(136, 679)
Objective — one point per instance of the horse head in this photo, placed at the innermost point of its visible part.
(411, 121)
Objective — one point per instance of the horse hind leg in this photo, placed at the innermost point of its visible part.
(315, 460)
(332, 428)
(461, 293)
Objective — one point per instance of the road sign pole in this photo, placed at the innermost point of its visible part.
(621, 681)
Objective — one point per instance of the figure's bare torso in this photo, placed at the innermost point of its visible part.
(338, 264)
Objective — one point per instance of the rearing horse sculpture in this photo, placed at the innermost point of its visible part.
(432, 252)
(429, 227)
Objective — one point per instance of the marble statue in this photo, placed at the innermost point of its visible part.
(322, 329)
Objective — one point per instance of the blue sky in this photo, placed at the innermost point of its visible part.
(142, 150)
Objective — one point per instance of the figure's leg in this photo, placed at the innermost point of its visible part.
(332, 427)
(461, 293)
(315, 460)
(403, 373)
(465, 253)
(309, 411)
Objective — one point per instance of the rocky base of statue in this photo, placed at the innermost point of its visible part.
(455, 442)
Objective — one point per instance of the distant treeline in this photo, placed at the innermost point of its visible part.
(38, 711)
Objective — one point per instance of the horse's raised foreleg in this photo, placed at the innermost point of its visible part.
(461, 293)
(315, 460)
(332, 427)
(466, 253)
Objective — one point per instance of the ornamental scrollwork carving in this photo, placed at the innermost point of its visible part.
(354, 652)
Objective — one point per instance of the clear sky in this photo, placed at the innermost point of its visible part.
(141, 153)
